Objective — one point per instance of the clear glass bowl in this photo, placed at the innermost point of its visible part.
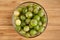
(24, 4)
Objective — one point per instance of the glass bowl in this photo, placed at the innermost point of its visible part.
(24, 4)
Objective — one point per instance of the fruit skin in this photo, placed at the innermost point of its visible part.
(36, 28)
(22, 17)
(43, 19)
(19, 9)
(36, 6)
(33, 22)
(37, 17)
(31, 26)
(33, 32)
(16, 13)
(29, 14)
(27, 35)
(41, 29)
(23, 24)
(26, 28)
(15, 17)
(36, 9)
(24, 10)
(22, 32)
(27, 21)
(40, 23)
(18, 28)
(41, 12)
(30, 8)
(18, 22)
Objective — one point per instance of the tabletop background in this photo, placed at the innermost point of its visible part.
(7, 31)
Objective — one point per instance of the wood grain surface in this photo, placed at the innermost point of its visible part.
(7, 31)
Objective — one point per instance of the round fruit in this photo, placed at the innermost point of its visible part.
(33, 22)
(16, 13)
(19, 9)
(26, 28)
(37, 17)
(41, 12)
(41, 29)
(22, 17)
(27, 35)
(36, 8)
(43, 19)
(36, 27)
(23, 24)
(29, 14)
(18, 22)
(33, 32)
(18, 28)
(30, 8)
(27, 21)
(24, 10)
(22, 32)
(40, 23)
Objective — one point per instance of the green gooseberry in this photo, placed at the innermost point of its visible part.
(41, 12)
(27, 35)
(43, 19)
(24, 10)
(23, 24)
(26, 28)
(18, 28)
(22, 17)
(40, 23)
(36, 8)
(36, 27)
(33, 22)
(27, 21)
(33, 32)
(22, 32)
(30, 9)
(37, 17)
(16, 13)
(19, 9)
(18, 22)
(29, 14)
(41, 29)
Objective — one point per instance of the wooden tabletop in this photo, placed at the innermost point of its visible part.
(7, 31)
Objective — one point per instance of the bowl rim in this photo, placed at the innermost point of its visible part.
(34, 3)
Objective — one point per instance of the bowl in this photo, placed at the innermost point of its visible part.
(28, 30)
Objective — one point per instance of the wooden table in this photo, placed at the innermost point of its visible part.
(7, 31)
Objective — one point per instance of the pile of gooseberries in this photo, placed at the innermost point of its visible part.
(30, 20)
